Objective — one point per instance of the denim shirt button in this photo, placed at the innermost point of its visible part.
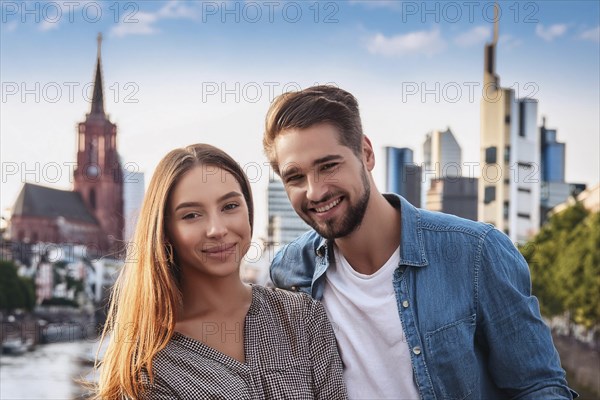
(405, 304)
(294, 288)
(320, 252)
(416, 350)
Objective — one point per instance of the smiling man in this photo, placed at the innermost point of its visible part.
(427, 305)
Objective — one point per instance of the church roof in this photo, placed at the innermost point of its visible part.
(98, 95)
(42, 201)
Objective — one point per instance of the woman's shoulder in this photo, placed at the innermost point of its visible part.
(284, 299)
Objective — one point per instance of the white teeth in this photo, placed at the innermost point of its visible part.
(328, 206)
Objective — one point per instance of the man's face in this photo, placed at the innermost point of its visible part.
(327, 184)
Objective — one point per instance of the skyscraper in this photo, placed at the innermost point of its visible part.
(509, 188)
(442, 154)
(402, 175)
(554, 189)
(133, 195)
(284, 224)
(553, 155)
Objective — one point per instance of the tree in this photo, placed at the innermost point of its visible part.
(579, 269)
(565, 265)
(15, 291)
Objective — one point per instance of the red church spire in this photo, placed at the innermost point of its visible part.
(98, 96)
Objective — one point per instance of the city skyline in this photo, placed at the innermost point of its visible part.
(206, 72)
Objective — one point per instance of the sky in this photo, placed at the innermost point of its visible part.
(177, 73)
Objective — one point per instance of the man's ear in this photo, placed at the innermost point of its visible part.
(368, 154)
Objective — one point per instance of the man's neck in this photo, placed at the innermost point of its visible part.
(373, 243)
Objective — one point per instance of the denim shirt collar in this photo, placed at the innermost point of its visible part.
(412, 249)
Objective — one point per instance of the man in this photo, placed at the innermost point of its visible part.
(426, 305)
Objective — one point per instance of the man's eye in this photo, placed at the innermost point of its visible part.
(293, 178)
(329, 166)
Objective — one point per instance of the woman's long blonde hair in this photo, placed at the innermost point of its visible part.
(146, 296)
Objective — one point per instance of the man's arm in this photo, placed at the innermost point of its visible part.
(522, 358)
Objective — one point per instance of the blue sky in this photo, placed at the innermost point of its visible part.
(179, 72)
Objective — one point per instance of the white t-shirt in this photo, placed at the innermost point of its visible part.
(364, 314)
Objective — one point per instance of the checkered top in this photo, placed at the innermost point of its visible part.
(290, 349)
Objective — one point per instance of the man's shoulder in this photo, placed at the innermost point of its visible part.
(442, 222)
(293, 266)
(304, 245)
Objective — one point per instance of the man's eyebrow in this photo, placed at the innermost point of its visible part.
(292, 169)
(226, 196)
(325, 159)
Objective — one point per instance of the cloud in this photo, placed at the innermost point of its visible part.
(10, 26)
(473, 37)
(45, 25)
(591, 34)
(418, 42)
(392, 4)
(509, 42)
(143, 23)
(175, 9)
(140, 24)
(550, 33)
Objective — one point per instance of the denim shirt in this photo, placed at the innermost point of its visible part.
(464, 300)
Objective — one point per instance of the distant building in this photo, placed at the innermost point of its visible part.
(509, 188)
(554, 190)
(43, 214)
(402, 175)
(284, 224)
(442, 154)
(91, 214)
(553, 155)
(457, 196)
(442, 172)
(590, 198)
(133, 195)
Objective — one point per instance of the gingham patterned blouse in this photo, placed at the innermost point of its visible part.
(290, 353)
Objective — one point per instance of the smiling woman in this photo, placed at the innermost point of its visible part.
(181, 321)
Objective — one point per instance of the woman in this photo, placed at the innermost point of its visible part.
(181, 322)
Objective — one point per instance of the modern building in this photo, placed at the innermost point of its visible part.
(284, 224)
(402, 175)
(454, 195)
(442, 155)
(509, 188)
(554, 190)
(91, 214)
(552, 156)
(133, 195)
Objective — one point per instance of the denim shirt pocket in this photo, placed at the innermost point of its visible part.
(455, 366)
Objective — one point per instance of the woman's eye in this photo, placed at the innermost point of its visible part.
(230, 206)
(191, 215)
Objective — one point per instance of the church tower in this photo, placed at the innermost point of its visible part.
(98, 175)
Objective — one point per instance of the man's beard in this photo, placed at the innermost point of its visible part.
(332, 229)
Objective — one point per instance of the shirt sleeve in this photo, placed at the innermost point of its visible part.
(326, 362)
(522, 358)
(158, 390)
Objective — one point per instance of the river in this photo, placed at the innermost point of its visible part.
(48, 372)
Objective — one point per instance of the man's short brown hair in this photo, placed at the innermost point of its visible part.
(311, 106)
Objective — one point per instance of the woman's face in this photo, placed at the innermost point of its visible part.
(207, 222)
